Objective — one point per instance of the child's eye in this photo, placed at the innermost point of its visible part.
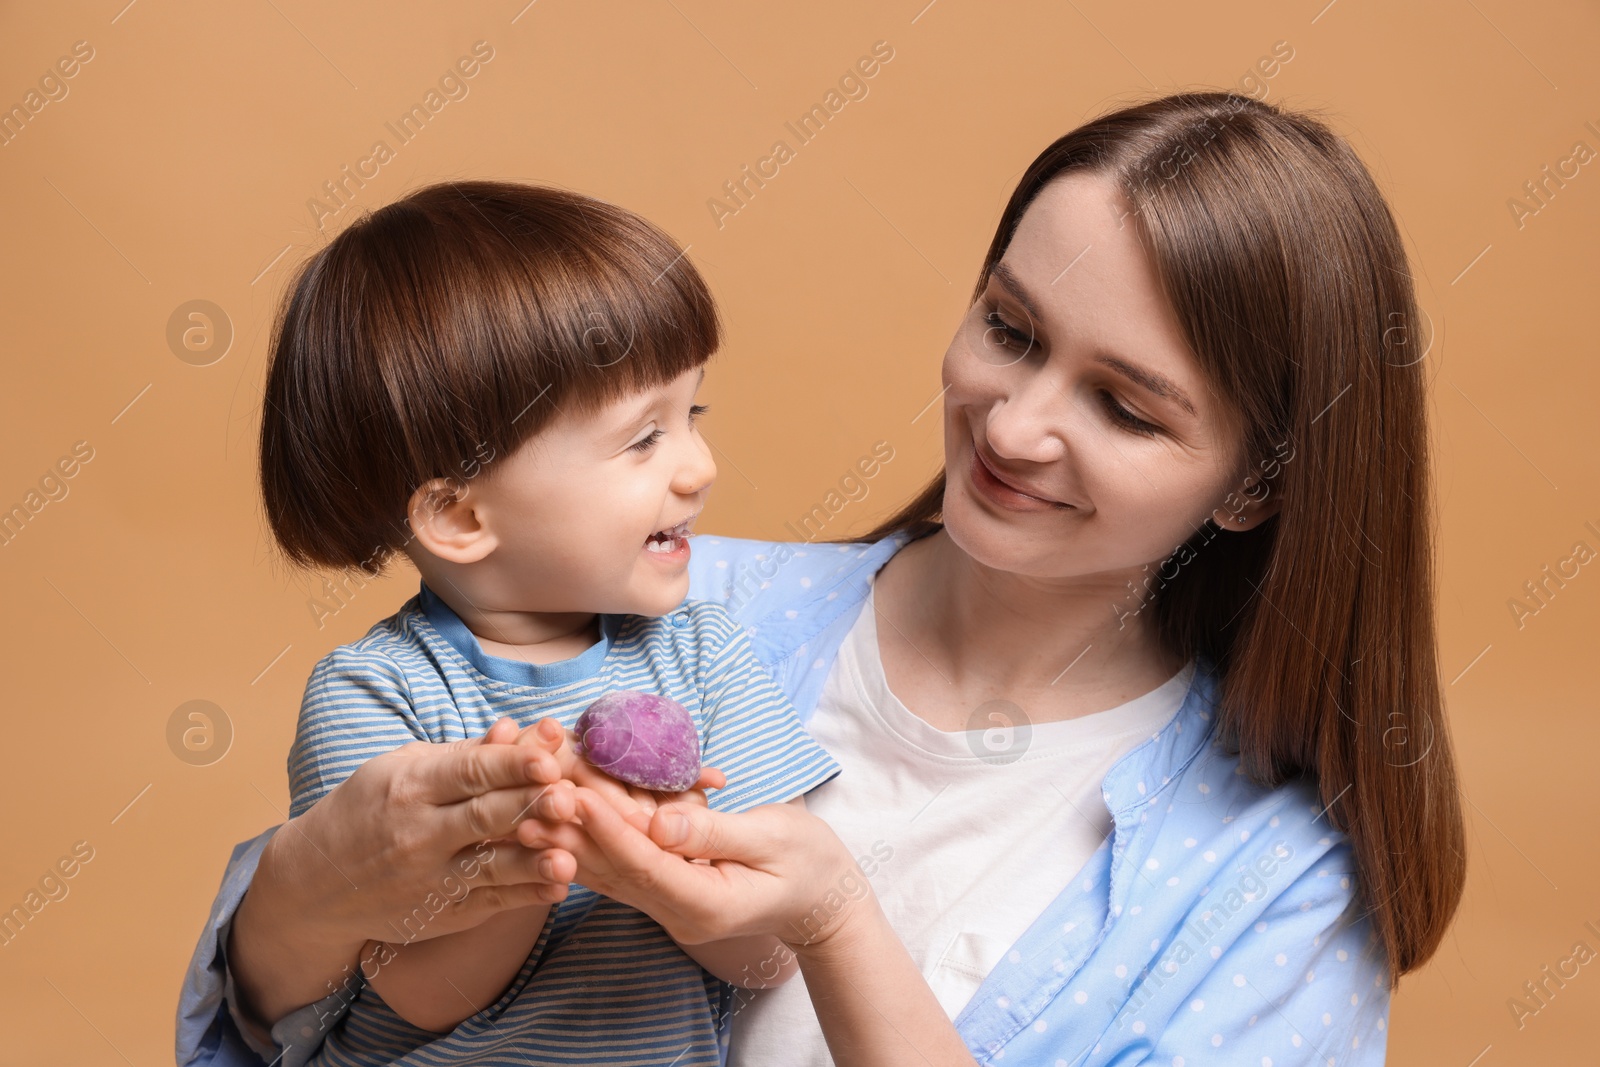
(647, 442)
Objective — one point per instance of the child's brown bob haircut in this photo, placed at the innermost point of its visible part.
(442, 331)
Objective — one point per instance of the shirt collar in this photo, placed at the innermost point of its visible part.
(1141, 777)
(1133, 783)
(449, 626)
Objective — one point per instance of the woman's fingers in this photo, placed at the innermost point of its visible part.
(675, 831)
(496, 814)
(617, 849)
(504, 863)
(750, 837)
(696, 902)
(486, 901)
(763, 872)
(425, 819)
(615, 858)
(470, 768)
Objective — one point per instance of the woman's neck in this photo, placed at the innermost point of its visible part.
(1058, 649)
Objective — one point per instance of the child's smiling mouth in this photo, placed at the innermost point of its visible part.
(671, 543)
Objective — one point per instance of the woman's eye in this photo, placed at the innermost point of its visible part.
(1127, 418)
(647, 442)
(1003, 334)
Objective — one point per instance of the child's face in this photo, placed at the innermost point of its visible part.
(573, 510)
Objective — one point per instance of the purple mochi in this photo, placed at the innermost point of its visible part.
(643, 739)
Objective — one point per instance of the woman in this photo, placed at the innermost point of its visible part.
(1171, 595)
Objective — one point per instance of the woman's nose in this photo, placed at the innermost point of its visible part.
(1026, 423)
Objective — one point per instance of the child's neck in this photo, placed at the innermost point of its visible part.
(498, 635)
(530, 636)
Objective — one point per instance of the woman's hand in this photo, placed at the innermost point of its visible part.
(402, 839)
(775, 870)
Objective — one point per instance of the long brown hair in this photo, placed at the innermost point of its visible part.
(1288, 275)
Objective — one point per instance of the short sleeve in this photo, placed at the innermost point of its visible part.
(751, 731)
(1306, 986)
(357, 705)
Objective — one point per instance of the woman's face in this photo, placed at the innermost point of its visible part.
(1070, 378)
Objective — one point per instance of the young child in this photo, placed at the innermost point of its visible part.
(497, 381)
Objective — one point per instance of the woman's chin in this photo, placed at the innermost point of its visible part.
(986, 539)
(994, 542)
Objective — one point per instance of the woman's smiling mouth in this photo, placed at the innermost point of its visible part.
(1003, 491)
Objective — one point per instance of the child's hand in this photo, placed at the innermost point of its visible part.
(633, 803)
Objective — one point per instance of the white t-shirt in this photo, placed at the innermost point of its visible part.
(979, 830)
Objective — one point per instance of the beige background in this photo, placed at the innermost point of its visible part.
(179, 167)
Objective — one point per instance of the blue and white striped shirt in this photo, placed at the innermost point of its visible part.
(603, 983)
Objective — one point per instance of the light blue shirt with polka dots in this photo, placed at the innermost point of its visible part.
(1217, 924)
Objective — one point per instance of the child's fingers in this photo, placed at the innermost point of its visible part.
(540, 836)
(547, 734)
(541, 766)
(544, 768)
(710, 778)
(507, 863)
(504, 731)
(644, 799)
(556, 866)
(618, 798)
(562, 743)
(622, 796)
(624, 803)
(551, 734)
(554, 803)
(688, 796)
(560, 760)
(511, 865)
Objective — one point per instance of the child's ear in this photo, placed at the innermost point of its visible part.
(445, 517)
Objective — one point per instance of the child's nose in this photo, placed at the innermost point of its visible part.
(699, 470)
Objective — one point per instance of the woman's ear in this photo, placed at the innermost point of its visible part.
(1249, 505)
(447, 520)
